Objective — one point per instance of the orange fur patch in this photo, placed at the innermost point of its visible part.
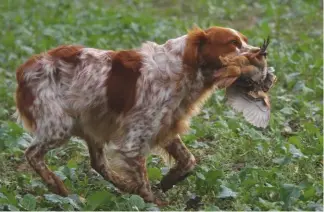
(67, 53)
(218, 44)
(121, 84)
(196, 38)
(23, 96)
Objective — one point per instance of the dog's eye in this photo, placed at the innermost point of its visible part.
(235, 42)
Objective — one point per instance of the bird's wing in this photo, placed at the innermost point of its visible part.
(255, 110)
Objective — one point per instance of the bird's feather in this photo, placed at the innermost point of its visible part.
(255, 110)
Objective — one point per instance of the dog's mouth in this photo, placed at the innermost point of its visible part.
(258, 57)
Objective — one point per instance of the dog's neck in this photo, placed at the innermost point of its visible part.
(168, 58)
(176, 45)
(164, 63)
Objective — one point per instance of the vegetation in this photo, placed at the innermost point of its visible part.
(240, 167)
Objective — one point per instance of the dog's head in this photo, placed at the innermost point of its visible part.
(204, 47)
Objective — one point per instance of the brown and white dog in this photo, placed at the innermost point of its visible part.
(123, 103)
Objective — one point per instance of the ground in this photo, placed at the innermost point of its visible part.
(239, 167)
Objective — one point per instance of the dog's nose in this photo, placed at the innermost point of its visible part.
(249, 49)
(254, 50)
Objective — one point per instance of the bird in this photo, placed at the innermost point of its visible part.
(248, 92)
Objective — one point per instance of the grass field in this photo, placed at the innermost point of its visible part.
(240, 167)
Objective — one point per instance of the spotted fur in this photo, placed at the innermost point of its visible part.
(122, 103)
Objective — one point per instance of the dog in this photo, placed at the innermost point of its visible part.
(123, 104)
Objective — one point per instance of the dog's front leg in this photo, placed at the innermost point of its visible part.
(126, 158)
(185, 163)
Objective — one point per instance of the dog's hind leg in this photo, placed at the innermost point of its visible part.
(35, 156)
(49, 135)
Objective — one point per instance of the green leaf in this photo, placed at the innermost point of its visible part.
(11, 197)
(72, 163)
(311, 128)
(15, 129)
(23, 142)
(212, 208)
(28, 202)
(54, 198)
(289, 193)
(151, 207)
(226, 192)
(292, 76)
(200, 176)
(60, 175)
(287, 110)
(214, 175)
(309, 193)
(282, 160)
(295, 152)
(96, 199)
(266, 204)
(12, 208)
(154, 173)
(37, 184)
(136, 202)
(2, 196)
(294, 140)
(68, 203)
(249, 182)
(315, 206)
(75, 201)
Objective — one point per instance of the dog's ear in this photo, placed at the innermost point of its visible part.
(196, 38)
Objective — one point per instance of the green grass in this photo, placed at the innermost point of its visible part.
(240, 167)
